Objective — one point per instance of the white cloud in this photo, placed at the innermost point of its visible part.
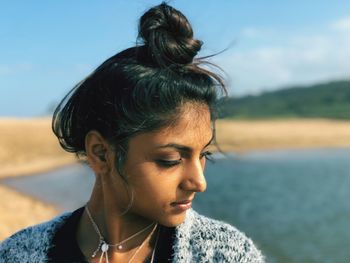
(295, 59)
(341, 24)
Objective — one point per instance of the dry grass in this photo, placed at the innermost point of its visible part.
(28, 146)
(275, 134)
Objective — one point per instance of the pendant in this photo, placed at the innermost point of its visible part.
(120, 247)
(104, 247)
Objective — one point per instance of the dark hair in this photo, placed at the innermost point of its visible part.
(141, 88)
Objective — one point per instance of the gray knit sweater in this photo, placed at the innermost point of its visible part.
(198, 239)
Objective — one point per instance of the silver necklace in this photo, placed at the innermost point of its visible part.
(154, 249)
(104, 246)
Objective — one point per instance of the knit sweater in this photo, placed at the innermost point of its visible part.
(197, 239)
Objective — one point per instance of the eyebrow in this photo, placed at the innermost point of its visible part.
(183, 148)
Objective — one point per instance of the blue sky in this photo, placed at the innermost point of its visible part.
(48, 46)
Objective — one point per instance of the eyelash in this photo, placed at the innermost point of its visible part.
(169, 163)
(208, 156)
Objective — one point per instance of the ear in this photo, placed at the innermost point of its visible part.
(97, 151)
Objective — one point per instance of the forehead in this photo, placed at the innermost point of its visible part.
(193, 119)
(192, 128)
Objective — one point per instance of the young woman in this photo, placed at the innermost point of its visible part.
(144, 120)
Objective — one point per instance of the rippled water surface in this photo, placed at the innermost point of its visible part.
(293, 204)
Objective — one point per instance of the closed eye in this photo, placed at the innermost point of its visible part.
(168, 163)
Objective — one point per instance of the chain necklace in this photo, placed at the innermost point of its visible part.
(104, 246)
(154, 249)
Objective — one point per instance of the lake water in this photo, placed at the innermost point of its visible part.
(294, 204)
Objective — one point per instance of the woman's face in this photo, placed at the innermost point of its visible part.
(165, 168)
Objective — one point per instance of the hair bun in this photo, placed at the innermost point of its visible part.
(168, 36)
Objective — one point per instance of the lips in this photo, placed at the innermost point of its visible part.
(182, 205)
(182, 202)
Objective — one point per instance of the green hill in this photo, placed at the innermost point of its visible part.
(328, 100)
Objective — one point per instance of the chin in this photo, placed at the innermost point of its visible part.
(173, 220)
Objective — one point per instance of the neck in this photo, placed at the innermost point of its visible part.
(113, 227)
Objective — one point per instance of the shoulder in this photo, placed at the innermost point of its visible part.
(203, 239)
(31, 244)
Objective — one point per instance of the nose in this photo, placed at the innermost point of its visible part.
(194, 179)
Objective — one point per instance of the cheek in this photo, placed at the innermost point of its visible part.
(154, 186)
(153, 197)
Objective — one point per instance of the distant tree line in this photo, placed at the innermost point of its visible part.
(328, 100)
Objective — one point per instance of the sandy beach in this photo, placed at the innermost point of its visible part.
(28, 146)
(18, 211)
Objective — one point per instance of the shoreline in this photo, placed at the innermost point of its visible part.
(35, 168)
(28, 147)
